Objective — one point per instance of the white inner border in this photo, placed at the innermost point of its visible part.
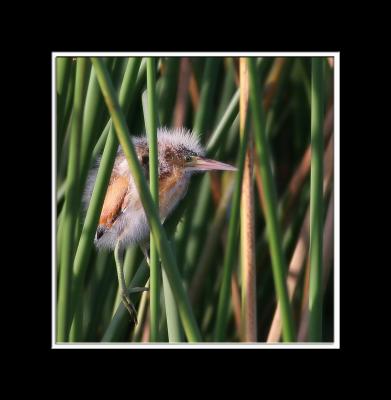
(336, 343)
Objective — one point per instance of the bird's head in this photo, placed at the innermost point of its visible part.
(180, 153)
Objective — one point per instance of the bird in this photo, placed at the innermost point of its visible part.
(123, 222)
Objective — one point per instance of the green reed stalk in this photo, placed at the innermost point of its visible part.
(63, 81)
(316, 201)
(229, 257)
(102, 180)
(70, 211)
(171, 312)
(154, 187)
(93, 110)
(116, 325)
(173, 321)
(169, 262)
(167, 90)
(120, 319)
(209, 80)
(273, 228)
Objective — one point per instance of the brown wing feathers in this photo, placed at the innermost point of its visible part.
(114, 201)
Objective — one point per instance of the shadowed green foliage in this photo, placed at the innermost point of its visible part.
(194, 278)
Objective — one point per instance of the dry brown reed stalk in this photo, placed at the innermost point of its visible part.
(302, 171)
(141, 315)
(272, 81)
(146, 330)
(236, 306)
(299, 176)
(301, 250)
(258, 180)
(295, 267)
(306, 288)
(215, 186)
(268, 95)
(236, 71)
(182, 93)
(204, 265)
(194, 90)
(247, 234)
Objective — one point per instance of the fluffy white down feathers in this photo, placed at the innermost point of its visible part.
(131, 226)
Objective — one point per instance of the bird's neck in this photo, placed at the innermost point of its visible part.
(172, 189)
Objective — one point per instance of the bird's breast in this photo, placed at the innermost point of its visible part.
(171, 190)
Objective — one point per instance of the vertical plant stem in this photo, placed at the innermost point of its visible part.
(173, 322)
(63, 75)
(224, 124)
(236, 303)
(120, 319)
(63, 127)
(207, 92)
(129, 105)
(316, 201)
(167, 90)
(328, 240)
(229, 257)
(228, 88)
(273, 227)
(154, 187)
(247, 239)
(141, 313)
(194, 242)
(93, 111)
(97, 286)
(69, 217)
(210, 243)
(182, 93)
(129, 270)
(102, 180)
(295, 267)
(168, 260)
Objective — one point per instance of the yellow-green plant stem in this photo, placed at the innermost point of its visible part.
(272, 223)
(316, 201)
(154, 187)
(70, 216)
(168, 260)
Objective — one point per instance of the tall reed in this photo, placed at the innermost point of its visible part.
(316, 211)
(269, 190)
(169, 264)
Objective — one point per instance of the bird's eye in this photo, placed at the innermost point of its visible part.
(145, 159)
(188, 158)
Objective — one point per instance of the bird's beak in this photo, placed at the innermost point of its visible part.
(204, 164)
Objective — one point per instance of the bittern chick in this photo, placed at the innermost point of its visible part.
(123, 222)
